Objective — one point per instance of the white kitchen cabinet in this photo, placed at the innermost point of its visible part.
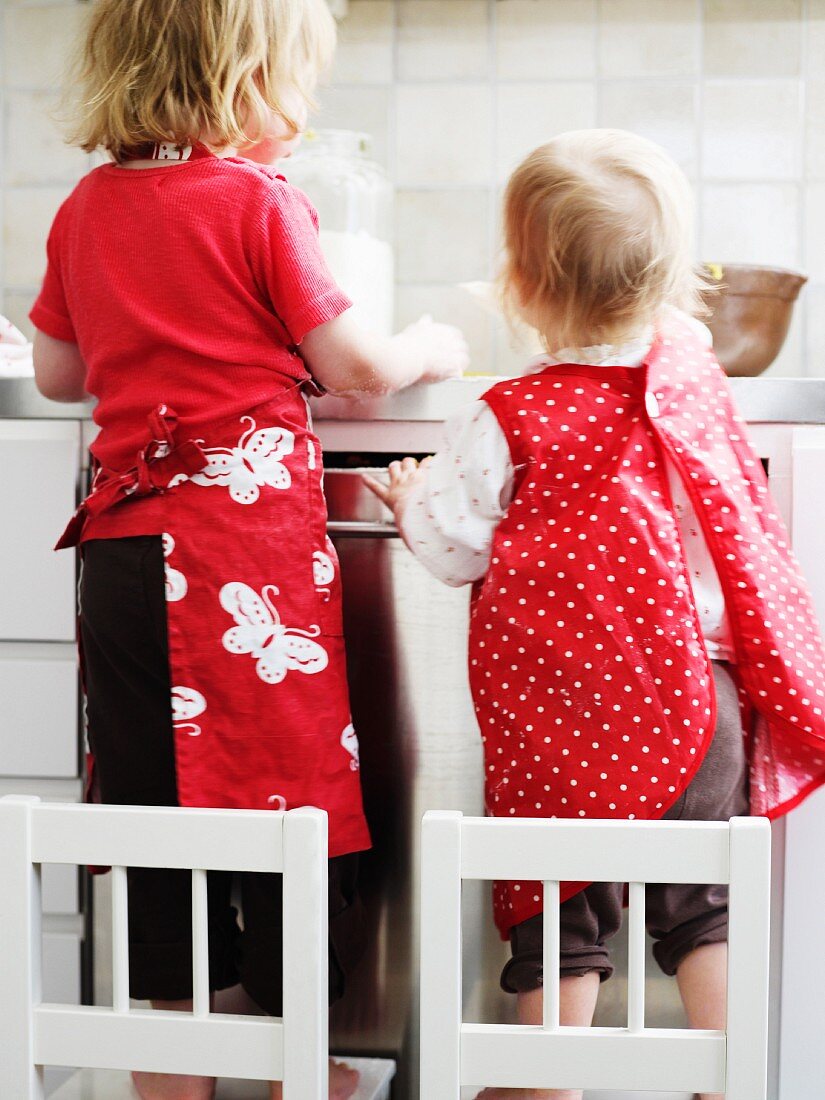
(61, 961)
(39, 717)
(62, 945)
(40, 460)
(801, 1051)
(60, 889)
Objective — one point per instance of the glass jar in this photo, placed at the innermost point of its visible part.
(354, 199)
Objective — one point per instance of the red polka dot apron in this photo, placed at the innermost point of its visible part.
(589, 674)
(259, 693)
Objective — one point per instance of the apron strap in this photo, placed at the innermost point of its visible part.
(159, 463)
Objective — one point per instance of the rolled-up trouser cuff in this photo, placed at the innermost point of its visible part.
(525, 972)
(708, 928)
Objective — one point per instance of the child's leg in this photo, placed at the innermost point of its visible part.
(702, 978)
(168, 1086)
(343, 1082)
(261, 950)
(577, 1003)
(587, 921)
(690, 923)
(126, 666)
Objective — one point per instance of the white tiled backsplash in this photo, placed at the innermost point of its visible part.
(456, 91)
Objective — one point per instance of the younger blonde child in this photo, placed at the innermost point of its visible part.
(630, 573)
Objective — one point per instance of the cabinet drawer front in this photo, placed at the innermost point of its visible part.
(60, 892)
(39, 716)
(61, 967)
(41, 466)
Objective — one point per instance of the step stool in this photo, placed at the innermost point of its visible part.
(376, 1078)
(106, 1040)
(634, 1059)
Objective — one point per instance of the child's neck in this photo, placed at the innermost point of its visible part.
(146, 162)
(603, 342)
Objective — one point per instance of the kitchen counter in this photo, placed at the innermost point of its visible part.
(760, 400)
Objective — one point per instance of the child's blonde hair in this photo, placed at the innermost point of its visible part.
(598, 228)
(171, 70)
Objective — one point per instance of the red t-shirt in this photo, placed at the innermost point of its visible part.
(189, 285)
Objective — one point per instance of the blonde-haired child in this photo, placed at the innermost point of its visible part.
(187, 292)
(630, 572)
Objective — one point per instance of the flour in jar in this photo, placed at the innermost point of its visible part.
(364, 268)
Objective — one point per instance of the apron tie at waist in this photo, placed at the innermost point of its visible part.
(159, 463)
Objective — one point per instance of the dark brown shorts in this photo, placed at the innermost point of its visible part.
(679, 917)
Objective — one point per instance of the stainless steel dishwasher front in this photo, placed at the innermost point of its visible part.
(406, 638)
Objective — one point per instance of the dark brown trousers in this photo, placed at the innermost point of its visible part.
(679, 917)
(126, 671)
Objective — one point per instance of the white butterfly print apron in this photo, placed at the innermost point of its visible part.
(253, 601)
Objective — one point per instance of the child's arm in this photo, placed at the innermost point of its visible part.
(346, 358)
(448, 508)
(59, 370)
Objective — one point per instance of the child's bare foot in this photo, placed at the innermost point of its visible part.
(173, 1086)
(343, 1081)
(528, 1094)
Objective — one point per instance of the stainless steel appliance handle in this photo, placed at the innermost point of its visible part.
(354, 529)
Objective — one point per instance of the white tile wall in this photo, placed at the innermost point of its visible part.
(454, 91)
(460, 50)
(35, 40)
(648, 38)
(664, 111)
(545, 39)
(748, 38)
(751, 223)
(527, 113)
(814, 139)
(443, 134)
(38, 168)
(38, 152)
(752, 130)
(365, 52)
(447, 235)
(734, 89)
(28, 213)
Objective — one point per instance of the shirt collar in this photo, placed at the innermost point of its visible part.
(632, 353)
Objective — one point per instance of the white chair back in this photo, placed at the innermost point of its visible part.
(456, 1054)
(34, 1034)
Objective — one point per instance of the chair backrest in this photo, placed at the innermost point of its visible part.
(33, 1034)
(456, 1054)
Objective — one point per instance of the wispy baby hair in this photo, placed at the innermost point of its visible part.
(598, 228)
(171, 70)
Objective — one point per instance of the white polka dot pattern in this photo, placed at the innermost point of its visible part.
(589, 674)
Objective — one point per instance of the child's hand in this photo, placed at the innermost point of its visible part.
(443, 348)
(404, 476)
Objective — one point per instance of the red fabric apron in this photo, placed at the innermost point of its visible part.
(589, 673)
(259, 692)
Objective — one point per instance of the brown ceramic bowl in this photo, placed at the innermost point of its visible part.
(751, 314)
